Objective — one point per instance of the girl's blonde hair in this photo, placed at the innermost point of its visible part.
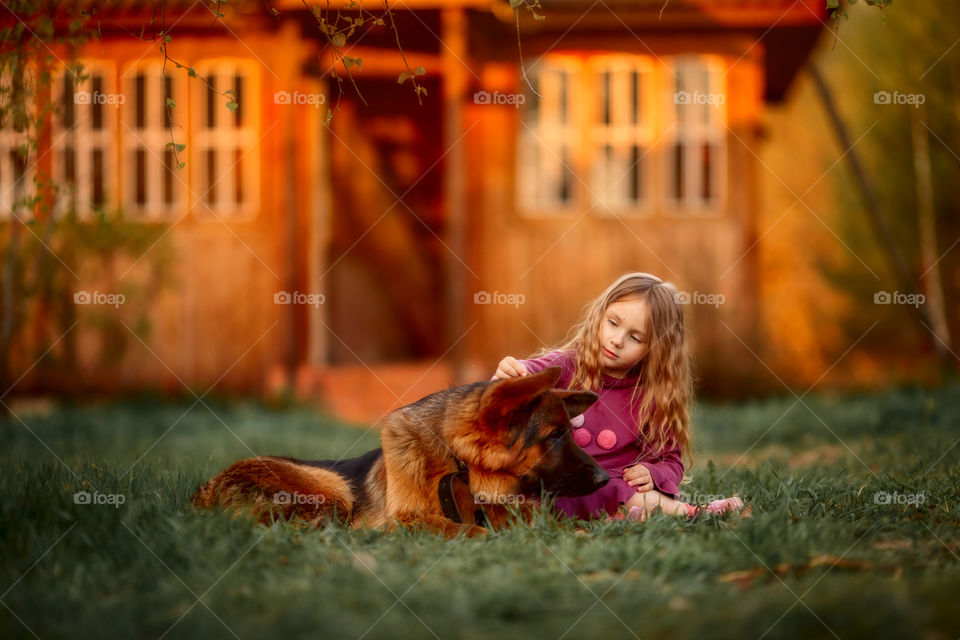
(664, 377)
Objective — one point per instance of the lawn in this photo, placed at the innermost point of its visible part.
(852, 534)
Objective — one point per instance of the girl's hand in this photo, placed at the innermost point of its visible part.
(509, 368)
(638, 476)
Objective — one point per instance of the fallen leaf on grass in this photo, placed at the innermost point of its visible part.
(742, 578)
(837, 562)
(891, 545)
(746, 577)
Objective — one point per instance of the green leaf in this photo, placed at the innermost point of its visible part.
(339, 40)
(167, 38)
(419, 71)
(181, 165)
(192, 73)
(831, 4)
(516, 4)
(232, 106)
(404, 76)
(171, 104)
(231, 92)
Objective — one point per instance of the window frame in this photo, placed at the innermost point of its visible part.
(153, 138)
(625, 134)
(527, 198)
(656, 133)
(13, 193)
(694, 134)
(84, 139)
(246, 137)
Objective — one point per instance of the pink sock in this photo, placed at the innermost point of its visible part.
(718, 507)
(726, 505)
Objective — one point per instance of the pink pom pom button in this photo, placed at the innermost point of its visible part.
(607, 439)
(577, 421)
(581, 437)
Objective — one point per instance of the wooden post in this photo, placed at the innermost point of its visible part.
(454, 51)
(318, 243)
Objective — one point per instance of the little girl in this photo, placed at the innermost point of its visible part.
(629, 347)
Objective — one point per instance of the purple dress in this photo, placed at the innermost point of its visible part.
(608, 432)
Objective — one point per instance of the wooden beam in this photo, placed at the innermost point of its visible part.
(454, 30)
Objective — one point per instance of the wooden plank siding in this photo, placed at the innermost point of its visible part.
(218, 323)
(560, 262)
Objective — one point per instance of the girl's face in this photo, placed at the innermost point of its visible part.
(624, 335)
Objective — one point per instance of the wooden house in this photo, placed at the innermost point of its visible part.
(404, 246)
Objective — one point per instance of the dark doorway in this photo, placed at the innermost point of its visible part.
(385, 283)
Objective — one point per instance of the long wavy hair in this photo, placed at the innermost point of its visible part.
(664, 389)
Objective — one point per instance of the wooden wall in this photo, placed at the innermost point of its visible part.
(561, 263)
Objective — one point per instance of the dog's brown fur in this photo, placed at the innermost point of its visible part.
(513, 435)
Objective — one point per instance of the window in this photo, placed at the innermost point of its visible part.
(696, 140)
(84, 131)
(16, 176)
(621, 134)
(549, 137)
(153, 187)
(224, 155)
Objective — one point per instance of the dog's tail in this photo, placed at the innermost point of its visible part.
(272, 488)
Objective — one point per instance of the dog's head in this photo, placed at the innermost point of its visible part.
(522, 436)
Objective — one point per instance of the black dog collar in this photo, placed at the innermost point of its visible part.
(448, 501)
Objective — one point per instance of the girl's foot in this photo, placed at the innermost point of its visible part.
(718, 507)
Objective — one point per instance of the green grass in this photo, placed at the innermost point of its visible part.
(138, 569)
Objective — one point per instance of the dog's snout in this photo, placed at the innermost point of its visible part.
(600, 477)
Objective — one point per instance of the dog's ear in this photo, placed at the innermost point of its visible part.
(506, 396)
(576, 402)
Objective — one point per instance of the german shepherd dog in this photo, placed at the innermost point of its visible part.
(453, 462)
